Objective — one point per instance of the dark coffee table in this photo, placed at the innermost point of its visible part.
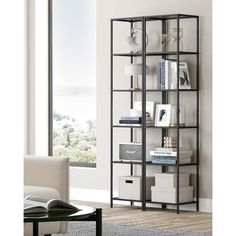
(85, 213)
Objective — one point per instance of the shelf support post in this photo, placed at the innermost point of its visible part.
(164, 97)
(177, 192)
(143, 114)
(111, 121)
(197, 148)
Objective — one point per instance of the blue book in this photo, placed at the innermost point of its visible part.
(164, 157)
(164, 161)
(162, 74)
(159, 75)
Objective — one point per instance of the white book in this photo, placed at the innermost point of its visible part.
(173, 80)
(170, 149)
(170, 153)
(168, 73)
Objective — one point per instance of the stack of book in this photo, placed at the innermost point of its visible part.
(166, 78)
(169, 156)
(167, 75)
(130, 120)
(135, 120)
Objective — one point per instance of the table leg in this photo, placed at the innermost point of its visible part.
(98, 222)
(35, 229)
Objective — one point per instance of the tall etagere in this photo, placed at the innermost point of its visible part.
(164, 99)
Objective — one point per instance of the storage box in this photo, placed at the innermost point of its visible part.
(169, 195)
(130, 187)
(169, 180)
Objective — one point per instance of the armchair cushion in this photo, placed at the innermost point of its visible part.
(49, 177)
(41, 191)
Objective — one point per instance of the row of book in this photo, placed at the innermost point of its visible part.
(169, 156)
(167, 75)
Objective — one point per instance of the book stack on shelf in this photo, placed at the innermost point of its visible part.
(127, 120)
(169, 156)
(167, 75)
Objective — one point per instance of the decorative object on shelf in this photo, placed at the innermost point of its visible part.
(162, 115)
(173, 41)
(184, 80)
(169, 40)
(135, 70)
(173, 120)
(170, 141)
(165, 39)
(134, 41)
(135, 112)
(150, 106)
(132, 151)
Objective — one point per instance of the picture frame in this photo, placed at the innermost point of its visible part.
(162, 115)
(150, 107)
(184, 79)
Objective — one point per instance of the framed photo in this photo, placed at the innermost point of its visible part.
(184, 80)
(162, 115)
(150, 106)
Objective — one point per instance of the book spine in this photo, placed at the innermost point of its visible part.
(137, 118)
(159, 75)
(181, 155)
(163, 157)
(154, 153)
(164, 161)
(130, 122)
(163, 149)
(167, 74)
(170, 162)
(162, 74)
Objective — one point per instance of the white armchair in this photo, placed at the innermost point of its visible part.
(46, 177)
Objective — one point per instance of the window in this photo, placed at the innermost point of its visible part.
(73, 80)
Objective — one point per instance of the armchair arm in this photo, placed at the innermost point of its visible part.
(48, 172)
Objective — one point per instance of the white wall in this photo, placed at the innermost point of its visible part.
(13, 74)
(85, 178)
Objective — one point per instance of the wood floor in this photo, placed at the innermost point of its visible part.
(154, 218)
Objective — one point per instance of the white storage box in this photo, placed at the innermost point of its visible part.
(169, 195)
(169, 180)
(130, 187)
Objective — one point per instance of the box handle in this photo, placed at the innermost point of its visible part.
(129, 181)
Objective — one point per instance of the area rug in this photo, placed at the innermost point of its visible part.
(88, 229)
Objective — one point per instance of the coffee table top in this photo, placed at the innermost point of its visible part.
(83, 212)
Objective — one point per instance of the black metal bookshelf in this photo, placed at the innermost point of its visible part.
(164, 99)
